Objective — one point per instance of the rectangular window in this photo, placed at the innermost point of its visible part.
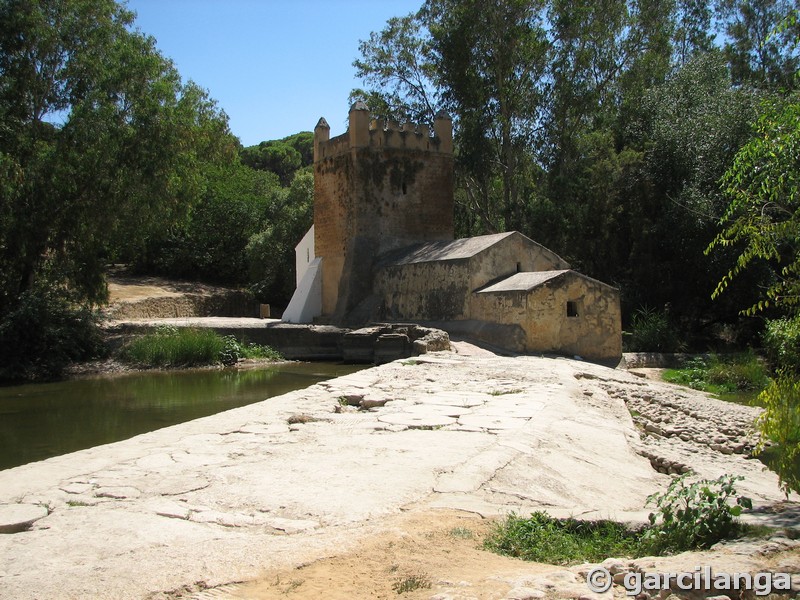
(572, 309)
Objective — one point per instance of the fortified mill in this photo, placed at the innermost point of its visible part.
(382, 249)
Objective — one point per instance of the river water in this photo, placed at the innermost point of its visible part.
(41, 420)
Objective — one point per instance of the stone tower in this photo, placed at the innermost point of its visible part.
(378, 187)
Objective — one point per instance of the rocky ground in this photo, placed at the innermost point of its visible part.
(380, 482)
(354, 486)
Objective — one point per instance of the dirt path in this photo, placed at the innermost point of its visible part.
(422, 554)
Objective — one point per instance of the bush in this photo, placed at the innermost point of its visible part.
(543, 538)
(652, 331)
(43, 333)
(234, 350)
(782, 343)
(693, 516)
(780, 423)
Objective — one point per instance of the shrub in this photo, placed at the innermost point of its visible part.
(782, 343)
(43, 333)
(780, 423)
(234, 350)
(652, 331)
(693, 516)
(543, 538)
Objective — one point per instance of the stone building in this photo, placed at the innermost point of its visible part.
(382, 249)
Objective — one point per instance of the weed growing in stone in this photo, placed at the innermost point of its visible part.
(543, 538)
(462, 533)
(410, 583)
(688, 516)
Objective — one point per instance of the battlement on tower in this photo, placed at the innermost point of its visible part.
(379, 134)
(378, 187)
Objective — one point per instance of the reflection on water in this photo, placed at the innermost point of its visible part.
(41, 420)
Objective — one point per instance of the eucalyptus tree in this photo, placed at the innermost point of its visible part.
(760, 43)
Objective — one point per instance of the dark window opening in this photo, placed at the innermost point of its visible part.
(404, 188)
(519, 267)
(572, 309)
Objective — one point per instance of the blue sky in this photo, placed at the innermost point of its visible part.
(274, 66)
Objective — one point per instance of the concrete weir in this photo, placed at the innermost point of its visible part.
(288, 480)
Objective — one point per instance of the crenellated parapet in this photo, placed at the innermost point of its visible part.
(378, 134)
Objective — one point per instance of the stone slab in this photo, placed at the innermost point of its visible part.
(19, 517)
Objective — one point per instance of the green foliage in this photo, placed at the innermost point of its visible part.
(761, 41)
(398, 63)
(270, 252)
(544, 538)
(281, 157)
(652, 331)
(762, 222)
(782, 343)
(44, 333)
(233, 351)
(102, 143)
(189, 347)
(174, 347)
(780, 424)
(688, 517)
(211, 243)
(722, 374)
(694, 516)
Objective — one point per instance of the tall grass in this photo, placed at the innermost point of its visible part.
(172, 347)
(186, 347)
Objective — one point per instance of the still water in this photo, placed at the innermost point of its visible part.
(41, 420)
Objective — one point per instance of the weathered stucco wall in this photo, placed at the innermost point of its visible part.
(431, 291)
(590, 327)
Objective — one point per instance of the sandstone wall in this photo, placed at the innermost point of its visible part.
(594, 332)
(378, 187)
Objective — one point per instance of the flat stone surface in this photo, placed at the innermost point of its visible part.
(455, 398)
(18, 517)
(492, 421)
(227, 497)
(417, 419)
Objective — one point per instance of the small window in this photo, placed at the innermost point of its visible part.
(572, 309)
(404, 188)
(519, 267)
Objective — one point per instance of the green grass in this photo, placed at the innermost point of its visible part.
(188, 347)
(735, 377)
(543, 538)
